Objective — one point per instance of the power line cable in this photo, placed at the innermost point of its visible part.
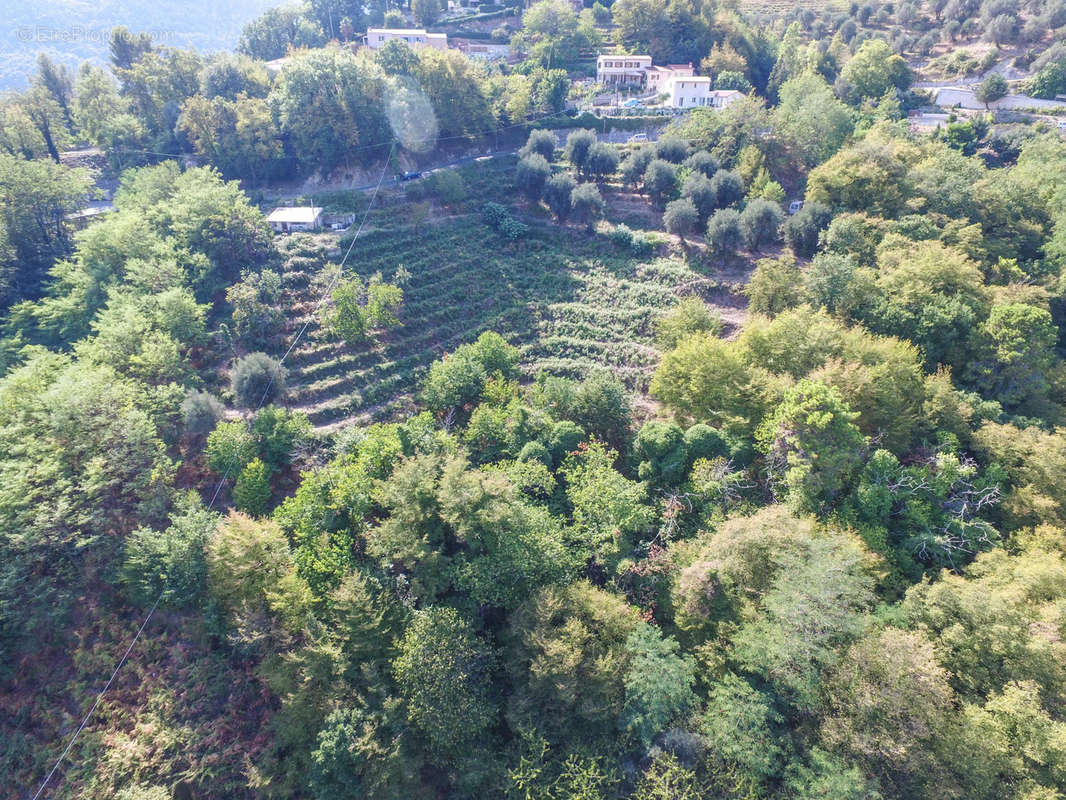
(262, 400)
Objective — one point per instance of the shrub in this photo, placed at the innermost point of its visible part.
(803, 228)
(586, 204)
(251, 492)
(723, 232)
(681, 217)
(728, 188)
(660, 181)
(672, 149)
(702, 162)
(531, 175)
(257, 379)
(229, 447)
(448, 186)
(760, 223)
(558, 193)
(201, 411)
(578, 145)
(690, 315)
(642, 246)
(621, 235)
(535, 451)
(540, 143)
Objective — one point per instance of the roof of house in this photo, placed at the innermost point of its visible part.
(398, 31)
(295, 214)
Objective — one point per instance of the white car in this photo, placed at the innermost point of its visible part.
(639, 137)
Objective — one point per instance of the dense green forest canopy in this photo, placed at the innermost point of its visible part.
(586, 471)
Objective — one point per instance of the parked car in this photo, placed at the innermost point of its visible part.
(639, 137)
(631, 103)
(795, 206)
(410, 176)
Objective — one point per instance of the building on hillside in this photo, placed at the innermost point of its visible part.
(658, 77)
(415, 37)
(688, 91)
(290, 219)
(720, 98)
(81, 219)
(622, 70)
(485, 51)
(694, 91)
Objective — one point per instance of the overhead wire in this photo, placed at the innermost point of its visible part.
(218, 488)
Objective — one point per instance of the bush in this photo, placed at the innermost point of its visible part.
(602, 160)
(702, 162)
(448, 186)
(642, 247)
(531, 175)
(494, 214)
(278, 433)
(621, 235)
(558, 195)
(691, 315)
(586, 204)
(699, 189)
(230, 446)
(251, 492)
(672, 149)
(540, 143)
(170, 560)
(723, 232)
(257, 379)
(803, 228)
(681, 217)
(535, 451)
(660, 181)
(728, 188)
(201, 411)
(578, 146)
(635, 164)
(760, 223)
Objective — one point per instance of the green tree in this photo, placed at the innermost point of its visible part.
(1015, 354)
(578, 146)
(558, 193)
(443, 672)
(540, 143)
(991, 89)
(251, 491)
(658, 684)
(660, 181)
(531, 176)
(330, 104)
(724, 235)
(802, 229)
(35, 196)
(565, 651)
(586, 205)
(257, 379)
(760, 223)
(816, 604)
(426, 12)
(812, 446)
(681, 218)
(873, 70)
(775, 286)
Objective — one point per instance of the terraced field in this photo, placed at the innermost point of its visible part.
(571, 302)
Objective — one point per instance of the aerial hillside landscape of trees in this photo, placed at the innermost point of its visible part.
(583, 451)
